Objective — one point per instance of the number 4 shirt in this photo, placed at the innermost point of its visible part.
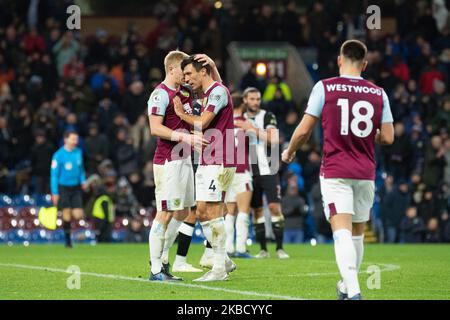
(352, 110)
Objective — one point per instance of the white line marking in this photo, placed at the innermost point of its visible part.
(384, 267)
(119, 277)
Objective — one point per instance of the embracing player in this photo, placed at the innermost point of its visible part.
(174, 176)
(355, 115)
(216, 169)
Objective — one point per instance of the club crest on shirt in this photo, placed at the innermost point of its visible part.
(185, 93)
(68, 166)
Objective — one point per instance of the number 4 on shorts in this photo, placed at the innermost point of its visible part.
(212, 186)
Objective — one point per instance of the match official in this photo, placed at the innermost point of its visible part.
(67, 180)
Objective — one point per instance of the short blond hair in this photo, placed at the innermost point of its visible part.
(174, 57)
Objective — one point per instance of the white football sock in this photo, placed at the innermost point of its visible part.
(218, 244)
(169, 238)
(346, 260)
(242, 222)
(229, 231)
(179, 260)
(358, 242)
(207, 232)
(156, 243)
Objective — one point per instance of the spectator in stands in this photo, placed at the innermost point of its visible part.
(432, 233)
(65, 50)
(293, 207)
(97, 148)
(126, 203)
(136, 232)
(103, 211)
(398, 156)
(276, 83)
(290, 121)
(124, 154)
(412, 227)
(134, 101)
(393, 207)
(41, 156)
(429, 75)
(434, 163)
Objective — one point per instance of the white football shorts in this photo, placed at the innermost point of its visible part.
(242, 182)
(174, 185)
(350, 196)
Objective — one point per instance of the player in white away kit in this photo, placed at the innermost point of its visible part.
(355, 115)
(217, 163)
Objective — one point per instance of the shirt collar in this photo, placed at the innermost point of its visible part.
(209, 88)
(351, 77)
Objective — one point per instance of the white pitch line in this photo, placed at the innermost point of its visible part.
(385, 267)
(119, 277)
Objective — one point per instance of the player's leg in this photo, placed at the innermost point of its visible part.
(337, 197)
(179, 189)
(259, 219)
(67, 219)
(159, 226)
(272, 189)
(230, 220)
(185, 233)
(364, 194)
(210, 208)
(156, 244)
(243, 200)
(171, 234)
(64, 205)
(358, 242)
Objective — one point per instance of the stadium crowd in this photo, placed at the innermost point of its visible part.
(52, 80)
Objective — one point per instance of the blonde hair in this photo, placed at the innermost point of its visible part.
(174, 57)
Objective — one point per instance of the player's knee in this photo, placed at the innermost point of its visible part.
(67, 214)
(275, 209)
(77, 214)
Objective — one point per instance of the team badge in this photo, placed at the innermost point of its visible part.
(176, 202)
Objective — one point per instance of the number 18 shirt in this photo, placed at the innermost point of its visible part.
(352, 110)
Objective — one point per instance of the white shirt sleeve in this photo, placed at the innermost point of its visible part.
(316, 100)
(386, 116)
(158, 102)
(217, 99)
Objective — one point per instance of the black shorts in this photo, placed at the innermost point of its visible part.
(268, 185)
(70, 198)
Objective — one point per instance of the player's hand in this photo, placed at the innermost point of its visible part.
(85, 187)
(244, 125)
(287, 156)
(55, 199)
(207, 61)
(178, 106)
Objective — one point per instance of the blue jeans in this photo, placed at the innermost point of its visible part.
(293, 236)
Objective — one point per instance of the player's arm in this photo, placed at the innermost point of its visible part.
(217, 100)
(301, 135)
(385, 135)
(54, 177)
(269, 134)
(208, 61)
(157, 105)
(303, 131)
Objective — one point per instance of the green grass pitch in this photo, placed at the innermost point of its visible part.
(120, 271)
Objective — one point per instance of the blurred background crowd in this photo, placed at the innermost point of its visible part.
(53, 80)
